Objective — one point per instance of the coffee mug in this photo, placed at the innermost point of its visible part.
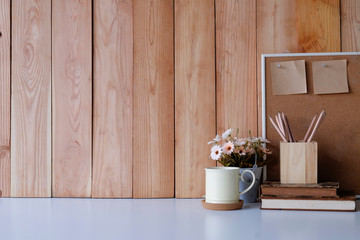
(222, 184)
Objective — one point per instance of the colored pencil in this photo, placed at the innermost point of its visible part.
(322, 115)
(277, 129)
(291, 135)
(310, 128)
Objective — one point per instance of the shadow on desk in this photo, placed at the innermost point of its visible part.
(357, 205)
(251, 206)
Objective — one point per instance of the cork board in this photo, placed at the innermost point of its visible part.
(338, 137)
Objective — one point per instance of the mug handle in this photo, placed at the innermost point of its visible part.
(242, 179)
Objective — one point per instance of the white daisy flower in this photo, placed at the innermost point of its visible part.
(228, 148)
(216, 152)
(254, 140)
(239, 143)
(215, 140)
(242, 148)
(264, 140)
(227, 133)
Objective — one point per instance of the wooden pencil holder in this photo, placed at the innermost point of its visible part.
(298, 162)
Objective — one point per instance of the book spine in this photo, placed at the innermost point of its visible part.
(297, 192)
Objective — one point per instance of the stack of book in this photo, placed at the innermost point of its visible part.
(320, 197)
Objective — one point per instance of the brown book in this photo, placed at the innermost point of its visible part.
(346, 202)
(324, 189)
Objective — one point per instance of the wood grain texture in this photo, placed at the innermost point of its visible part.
(311, 163)
(113, 74)
(5, 170)
(31, 99)
(276, 33)
(350, 25)
(5, 33)
(236, 88)
(275, 26)
(298, 162)
(194, 94)
(318, 25)
(72, 97)
(153, 152)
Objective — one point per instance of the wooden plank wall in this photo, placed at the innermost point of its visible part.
(153, 127)
(350, 25)
(139, 87)
(318, 25)
(113, 81)
(236, 66)
(5, 176)
(72, 97)
(194, 94)
(31, 99)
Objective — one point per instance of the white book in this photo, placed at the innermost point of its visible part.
(320, 204)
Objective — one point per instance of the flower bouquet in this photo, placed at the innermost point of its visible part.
(239, 152)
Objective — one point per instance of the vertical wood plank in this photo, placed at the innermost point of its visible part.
(31, 99)
(276, 22)
(318, 25)
(276, 33)
(194, 94)
(350, 25)
(113, 70)
(236, 86)
(72, 97)
(5, 176)
(153, 99)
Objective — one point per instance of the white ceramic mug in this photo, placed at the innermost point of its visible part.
(222, 184)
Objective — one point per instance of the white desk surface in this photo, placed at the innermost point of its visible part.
(184, 219)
